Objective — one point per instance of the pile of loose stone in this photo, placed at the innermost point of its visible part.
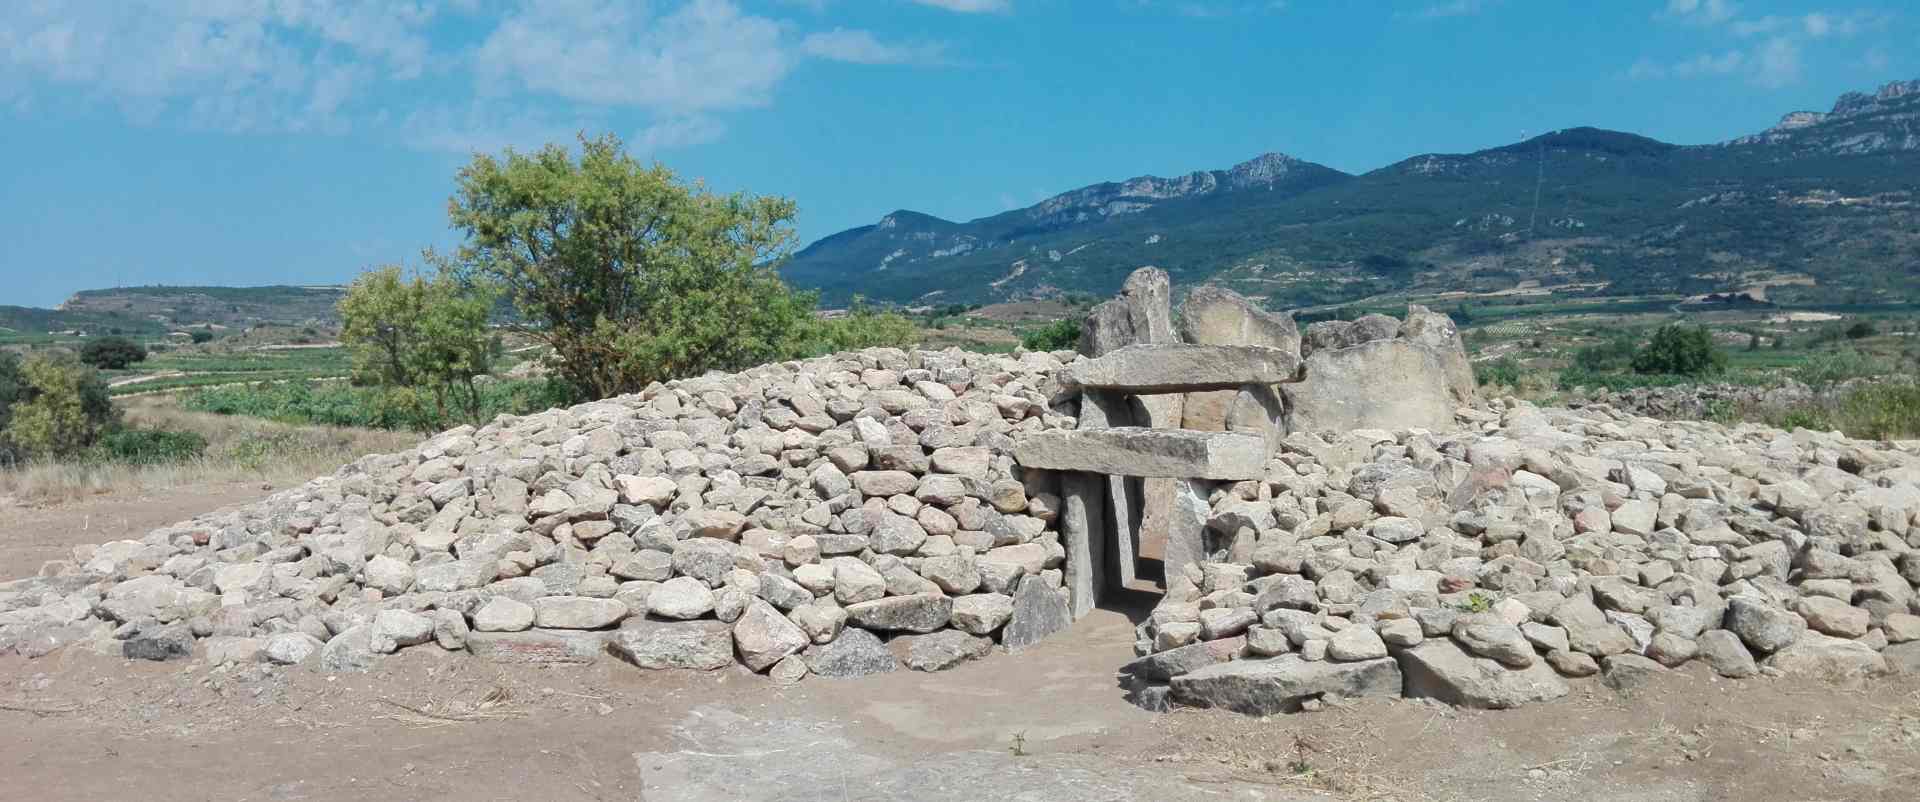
(837, 516)
(1482, 566)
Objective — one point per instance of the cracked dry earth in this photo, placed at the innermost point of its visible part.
(1049, 723)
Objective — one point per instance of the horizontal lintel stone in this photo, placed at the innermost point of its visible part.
(1183, 368)
(1139, 451)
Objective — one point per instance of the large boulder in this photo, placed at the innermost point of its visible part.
(698, 645)
(1413, 381)
(1280, 684)
(1441, 669)
(1216, 316)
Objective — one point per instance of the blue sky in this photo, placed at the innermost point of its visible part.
(300, 141)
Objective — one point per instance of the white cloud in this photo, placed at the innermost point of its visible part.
(861, 47)
(1702, 12)
(447, 74)
(678, 132)
(1455, 8)
(706, 55)
(1707, 64)
(1777, 63)
(228, 64)
(970, 6)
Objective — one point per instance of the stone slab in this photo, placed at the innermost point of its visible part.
(1281, 684)
(1183, 368)
(1139, 451)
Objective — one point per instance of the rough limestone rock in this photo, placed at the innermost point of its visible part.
(1813, 654)
(1426, 365)
(1441, 669)
(577, 612)
(1266, 686)
(1726, 655)
(503, 614)
(696, 645)
(1142, 313)
(1215, 316)
(171, 642)
(351, 650)
(1626, 672)
(1139, 451)
(762, 636)
(1764, 627)
(291, 648)
(539, 647)
(856, 653)
(941, 650)
(920, 612)
(1038, 611)
(1163, 666)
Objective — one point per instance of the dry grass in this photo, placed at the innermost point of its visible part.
(238, 449)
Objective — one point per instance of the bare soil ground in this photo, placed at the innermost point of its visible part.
(1049, 723)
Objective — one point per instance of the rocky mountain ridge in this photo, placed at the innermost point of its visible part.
(1580, 205)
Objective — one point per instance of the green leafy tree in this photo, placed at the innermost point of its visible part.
(112, 353)
(1861, 330)
(200, 336)
(13, 388)
(421, 335)
(1680, 351)
(1060, 335)
(861, 327)
(60, 407)
(378, 316)
(629, 274)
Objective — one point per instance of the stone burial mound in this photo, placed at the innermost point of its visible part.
(1329, 513)
(837, 516)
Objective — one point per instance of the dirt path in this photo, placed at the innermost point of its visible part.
(30, 536)
(1049, 723)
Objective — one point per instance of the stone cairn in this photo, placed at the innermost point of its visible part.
(838, 516)
(1332, 512)
(1365, 526)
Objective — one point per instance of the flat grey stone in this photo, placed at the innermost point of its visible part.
(538, 646)
(1146, 369)
(941, 650)
(1441, 669)
(1279, 684)
(855, 653)
(1038, 611)
(1139, 451)
(696, 645)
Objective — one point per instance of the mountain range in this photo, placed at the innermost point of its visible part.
(1819, 209)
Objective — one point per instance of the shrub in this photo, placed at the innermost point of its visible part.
(627, 273)
(1613, 355)
(1502, 372)
(421, 334)
(1840, 366)
(150, 446)
(395, 408)
(112, 353)
(861, 327)
(1680, 351)
(1861, 330)
(200, 336)
(58, 406)
(1060, 335)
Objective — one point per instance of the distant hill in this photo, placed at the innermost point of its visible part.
(221, 306)
(1819, 209)
(158, 310)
